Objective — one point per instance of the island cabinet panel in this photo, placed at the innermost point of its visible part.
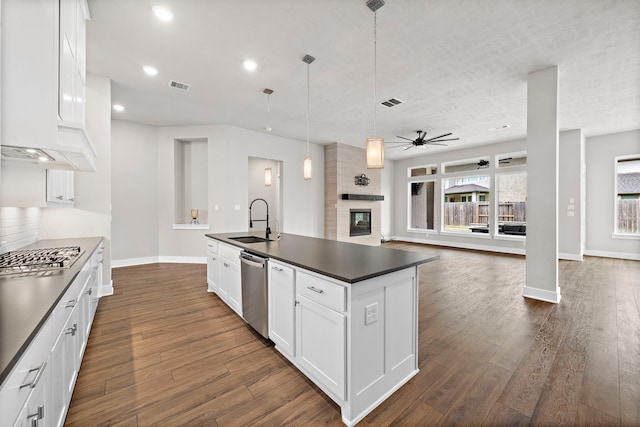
(282, 295)
(320, 344)
(213, 266)
(384, 336)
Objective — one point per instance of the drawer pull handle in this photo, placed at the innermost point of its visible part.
(71, 303)
(225, 264)
(277, 268)
(90, 291)
(37, 416)
(72, 331)
(314, 289)
(40, 370)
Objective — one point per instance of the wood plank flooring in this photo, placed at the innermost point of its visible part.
(165, 352)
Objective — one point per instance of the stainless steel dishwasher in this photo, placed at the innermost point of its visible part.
(255, 309)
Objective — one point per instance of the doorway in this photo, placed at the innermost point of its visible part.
(271, 193)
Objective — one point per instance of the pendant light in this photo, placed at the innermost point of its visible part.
(308, 59)
(375, 144)
(267, 170)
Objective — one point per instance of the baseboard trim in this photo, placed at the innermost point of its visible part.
(542, 294)
(608, 254)
(570, 257)
(106, 290)
(514, 251)
(157, 259)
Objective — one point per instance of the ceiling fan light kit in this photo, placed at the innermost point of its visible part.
(420, 141)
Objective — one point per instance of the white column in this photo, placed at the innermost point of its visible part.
(542, 186)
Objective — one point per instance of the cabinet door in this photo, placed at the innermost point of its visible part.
(282, 307)
(67, 70)
(60, 187)
(213, 266)
(230, 285)
(320, 344)
(63, 370)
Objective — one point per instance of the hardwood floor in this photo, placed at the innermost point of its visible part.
(163, 351)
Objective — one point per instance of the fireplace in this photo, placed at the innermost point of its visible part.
(359, 222)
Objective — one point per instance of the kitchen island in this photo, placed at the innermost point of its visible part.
(345, 315)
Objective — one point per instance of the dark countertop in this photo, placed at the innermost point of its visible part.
(348, 262)
(27, 301)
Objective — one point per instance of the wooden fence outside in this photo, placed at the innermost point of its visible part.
(464, 214)
(628, 216)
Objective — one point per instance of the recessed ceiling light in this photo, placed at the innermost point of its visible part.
(250, 65)
(118, 107)
(499, 128)
(30, 150)
(162, 13)
(152, 71)
(43, 159)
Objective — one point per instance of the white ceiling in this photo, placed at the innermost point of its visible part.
(460, 66)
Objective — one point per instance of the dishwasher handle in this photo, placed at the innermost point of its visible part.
(250, 261)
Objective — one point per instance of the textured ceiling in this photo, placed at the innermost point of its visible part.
(460, 66)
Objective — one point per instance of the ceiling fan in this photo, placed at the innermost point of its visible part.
(420, 141)
(485, 163)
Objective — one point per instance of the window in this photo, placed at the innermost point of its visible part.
(628, 195)
(512, 204)
(423, 170)
(421, 205)
(466, 204)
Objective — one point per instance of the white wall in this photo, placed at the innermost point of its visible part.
(271, 194)
(571, 203)
(387, 205)
(601, 152)
(134, 184)
(91, 214)
(229, 150)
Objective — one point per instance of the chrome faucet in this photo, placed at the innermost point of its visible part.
(268, 230)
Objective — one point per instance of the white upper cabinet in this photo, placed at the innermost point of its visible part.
(44, 78)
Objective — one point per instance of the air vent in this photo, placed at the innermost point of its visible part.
(391, 102)
(178, 85)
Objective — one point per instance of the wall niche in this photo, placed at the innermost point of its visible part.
(190, 183)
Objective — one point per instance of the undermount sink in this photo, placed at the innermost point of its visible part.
(249, 239)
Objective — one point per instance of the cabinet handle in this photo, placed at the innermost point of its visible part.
(33, 383)
(277, 268)
(72, 331)
(225, 264)
(314, 289)
(89, 292)
(59, 197)
(71, 303)
(71, 199)
(213, 258)
(37, 416)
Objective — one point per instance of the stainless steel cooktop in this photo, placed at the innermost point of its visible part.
(38, 260)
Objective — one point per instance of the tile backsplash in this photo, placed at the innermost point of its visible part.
(19, 227)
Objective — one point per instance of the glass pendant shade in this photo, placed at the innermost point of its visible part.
(307, 167)
(267, 177)
(375, 153)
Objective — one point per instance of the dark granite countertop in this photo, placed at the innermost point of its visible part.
(348, 262)
(26, 301)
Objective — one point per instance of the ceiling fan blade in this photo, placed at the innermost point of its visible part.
(441, 140)
(402, 146)
(406, 148)
(436, 137)
(435, 143)
(397, 142)
(404, 138)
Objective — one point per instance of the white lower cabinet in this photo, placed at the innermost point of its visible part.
(226, 267)
(42, 382)
(320, 343)
(213, 266)
(282, 294)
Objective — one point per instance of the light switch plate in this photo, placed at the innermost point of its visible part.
(371, 313)
(237, 207)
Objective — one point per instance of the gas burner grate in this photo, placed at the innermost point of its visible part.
(37, 260)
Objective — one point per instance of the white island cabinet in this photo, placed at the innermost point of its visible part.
(345, 315)
(223, 273)
(356, 341)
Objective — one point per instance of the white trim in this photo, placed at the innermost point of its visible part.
(514, 251)
(116, 263)
(510, 238)
(569, 257)
(190, 226)
(183, 259)
(542, 294)
(106, 290)
(466, 234)
(625, 236)
(609, 254)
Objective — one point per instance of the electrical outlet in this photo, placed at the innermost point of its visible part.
(237, 207)
(371, 313)
(216, 207)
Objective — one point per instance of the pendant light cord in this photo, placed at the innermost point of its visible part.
(375, 66)
(307, 110)
(268, 125)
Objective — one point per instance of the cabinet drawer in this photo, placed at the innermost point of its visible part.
(230, 253)
(25, 375)
(212, 246)
(322, 291)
